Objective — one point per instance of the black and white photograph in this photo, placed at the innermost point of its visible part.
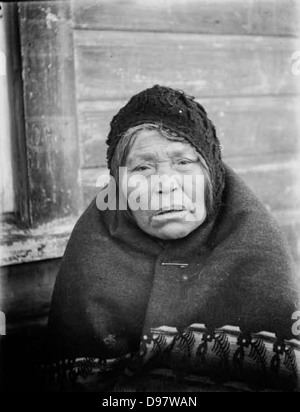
(150, 198)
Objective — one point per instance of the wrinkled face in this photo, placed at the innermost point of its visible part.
(166, 179)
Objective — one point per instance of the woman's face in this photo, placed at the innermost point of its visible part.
(166, 179)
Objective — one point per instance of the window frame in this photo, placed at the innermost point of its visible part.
(40, 227)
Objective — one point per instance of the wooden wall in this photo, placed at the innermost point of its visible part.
(234, 56)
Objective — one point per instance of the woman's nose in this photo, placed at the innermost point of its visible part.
(166, 183)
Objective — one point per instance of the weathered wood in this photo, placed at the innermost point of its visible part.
(17, 125)
(245, 126)
(48, 241)
(53, 167)
(50, 113)
(49, 10)
(115, 65)
(274, 179)
(278, 17)
(93, 127)
(7, 198)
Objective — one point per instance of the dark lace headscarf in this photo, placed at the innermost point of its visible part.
(182, 115)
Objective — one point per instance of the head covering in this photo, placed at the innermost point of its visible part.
(179, 113)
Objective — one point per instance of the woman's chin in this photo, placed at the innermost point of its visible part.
(173, 231)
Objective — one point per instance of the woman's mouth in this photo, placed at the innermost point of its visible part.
(169, 214)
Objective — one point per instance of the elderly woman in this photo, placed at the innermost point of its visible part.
(179, 283)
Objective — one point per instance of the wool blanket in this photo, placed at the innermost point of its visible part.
(118, 289)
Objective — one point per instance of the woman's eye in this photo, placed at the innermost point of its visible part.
(141, 168)
(184, 162)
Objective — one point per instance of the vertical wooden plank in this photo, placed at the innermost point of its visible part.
(17, 125)
(50, 113)
(6, 181)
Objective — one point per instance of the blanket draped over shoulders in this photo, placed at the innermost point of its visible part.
(118, 288)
